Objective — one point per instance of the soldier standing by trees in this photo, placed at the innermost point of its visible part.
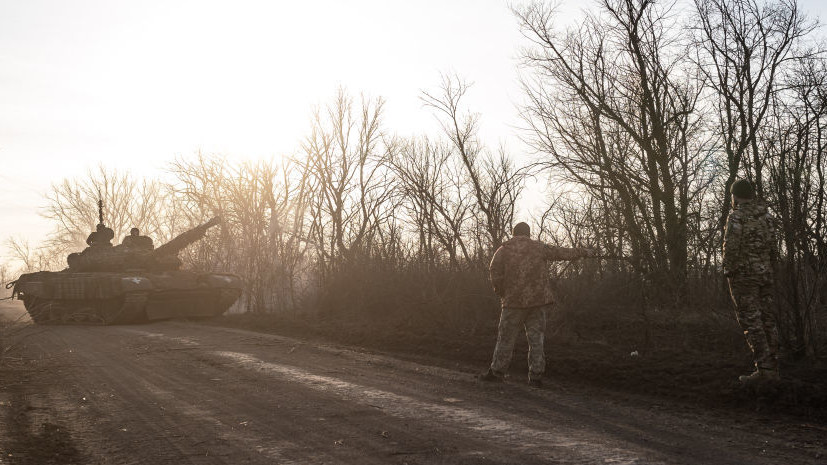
(749, 249)
(519, 275)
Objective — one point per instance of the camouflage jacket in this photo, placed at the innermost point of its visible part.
(519, 271)
(749, 240)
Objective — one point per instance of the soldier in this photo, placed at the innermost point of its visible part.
(135, 241)
(520, 277)
(749, 249)
(102, 235)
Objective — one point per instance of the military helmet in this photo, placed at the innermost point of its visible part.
(742, 189)
(522, 229)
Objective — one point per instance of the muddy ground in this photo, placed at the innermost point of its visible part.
(190, 393)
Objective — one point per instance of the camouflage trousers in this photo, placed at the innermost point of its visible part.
(511, 321)
(755, 309)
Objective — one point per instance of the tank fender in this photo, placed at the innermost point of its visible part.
(29, 288)
(136, 283)
(219, 280)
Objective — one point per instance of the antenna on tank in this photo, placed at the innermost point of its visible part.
(100, 207)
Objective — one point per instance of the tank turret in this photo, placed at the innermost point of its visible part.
(121, 258)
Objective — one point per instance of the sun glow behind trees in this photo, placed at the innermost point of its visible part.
(132, 85)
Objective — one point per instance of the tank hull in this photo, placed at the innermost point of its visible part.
(109, 298)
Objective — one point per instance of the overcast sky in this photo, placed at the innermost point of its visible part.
(134, 84)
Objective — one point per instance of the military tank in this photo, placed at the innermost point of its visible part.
(113, 285)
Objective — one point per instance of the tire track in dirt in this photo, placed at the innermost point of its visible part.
(683, 434)
(162, 415)
(508, 433)
(520, 424)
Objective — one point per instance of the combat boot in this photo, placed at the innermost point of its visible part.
(760, 375)
(491, 376)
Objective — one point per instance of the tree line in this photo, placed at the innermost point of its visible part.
(640, 116)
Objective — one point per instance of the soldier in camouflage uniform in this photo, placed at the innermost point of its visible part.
(102, 236)
(135, 241)
(520, 276)
(749, 249)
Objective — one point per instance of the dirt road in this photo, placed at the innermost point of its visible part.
(180, 393)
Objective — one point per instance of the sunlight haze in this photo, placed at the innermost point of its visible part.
(132, 85)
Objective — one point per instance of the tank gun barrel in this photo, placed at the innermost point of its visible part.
(185, 238)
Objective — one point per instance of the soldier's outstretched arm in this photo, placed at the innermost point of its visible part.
(553, 252)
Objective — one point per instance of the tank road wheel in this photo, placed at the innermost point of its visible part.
(61, 312)
(130, 310)
(82, 313)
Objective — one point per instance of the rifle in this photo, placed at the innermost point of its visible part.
(600, 257)
(611, 257)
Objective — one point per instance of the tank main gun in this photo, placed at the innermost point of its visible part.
(184, 239)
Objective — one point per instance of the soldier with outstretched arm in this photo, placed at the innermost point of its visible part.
(749, 249)
(520, 277)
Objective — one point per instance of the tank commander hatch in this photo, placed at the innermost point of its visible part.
(135, 241)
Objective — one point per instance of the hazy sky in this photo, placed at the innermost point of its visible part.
(133, 84)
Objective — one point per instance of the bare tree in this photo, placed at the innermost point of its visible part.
(262, 206)
(346, 160)
(495, 183)
(742, 47)
(614, 108)
(6, 276)
(434, 190)
(794, 145)
(128, 203)
(34, 258)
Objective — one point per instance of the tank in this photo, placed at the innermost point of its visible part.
(125, 285)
